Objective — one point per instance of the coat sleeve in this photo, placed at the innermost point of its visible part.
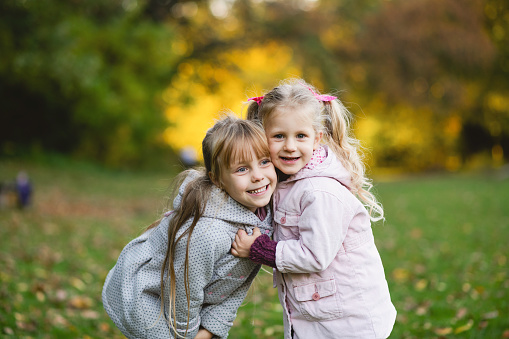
(203, 254)
(132, 288)
(218, 318)
(322, 229)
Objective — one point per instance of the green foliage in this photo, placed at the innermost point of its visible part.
(83, 78)
(443, 246)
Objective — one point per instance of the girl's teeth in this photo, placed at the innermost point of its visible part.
(259, 190)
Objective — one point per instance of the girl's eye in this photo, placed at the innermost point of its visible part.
(241, 170)
(301, 136)
(278, 136)
(265, 162)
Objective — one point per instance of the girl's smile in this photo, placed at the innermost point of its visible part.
(289, 160)
(259, 191)
(292, 138)
(250, 182)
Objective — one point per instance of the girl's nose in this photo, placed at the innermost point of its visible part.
(289, 145)
(257, 175)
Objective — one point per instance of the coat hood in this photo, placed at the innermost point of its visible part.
(220, 205)
(330, 167)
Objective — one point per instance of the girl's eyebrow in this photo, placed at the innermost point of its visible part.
(239, 163)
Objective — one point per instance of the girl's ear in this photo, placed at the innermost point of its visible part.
(318, 138)
(212, 178)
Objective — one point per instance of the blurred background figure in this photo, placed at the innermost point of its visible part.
(23, 189)
(188, 157)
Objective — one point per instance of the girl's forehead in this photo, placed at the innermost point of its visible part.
(245, 153)
(302, 115)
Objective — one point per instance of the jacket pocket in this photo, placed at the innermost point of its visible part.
(318, 300)
(286, 225)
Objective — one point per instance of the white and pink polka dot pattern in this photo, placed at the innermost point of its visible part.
(317, 158)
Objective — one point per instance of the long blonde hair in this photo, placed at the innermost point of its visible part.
(225, 142)
(333, 119)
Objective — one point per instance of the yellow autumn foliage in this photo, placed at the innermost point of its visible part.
(193, 104)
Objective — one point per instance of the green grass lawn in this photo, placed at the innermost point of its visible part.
(443, 244)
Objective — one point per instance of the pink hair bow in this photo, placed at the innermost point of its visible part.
(257, 99)
(324, 97)
(320, 97)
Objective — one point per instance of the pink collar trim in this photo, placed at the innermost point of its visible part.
(317, 158)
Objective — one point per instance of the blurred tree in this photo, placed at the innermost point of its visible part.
(428, 77)
(424, 66)
(434, 55)
(83, 77)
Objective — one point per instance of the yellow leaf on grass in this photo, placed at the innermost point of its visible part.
(421, 284)
(40, 296)
(465, 327)
(80, 302)
(77, 283)
(443, 331)
(400, 274)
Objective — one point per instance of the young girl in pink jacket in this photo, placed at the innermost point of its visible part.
(328, 271)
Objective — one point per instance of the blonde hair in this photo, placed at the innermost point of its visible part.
(333, 119)
(223, 144)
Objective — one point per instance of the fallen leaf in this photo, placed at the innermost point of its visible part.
(443, 331)
(104, 327)
(60, 295)
(490, 315)
(80, 302)
(423, 308)
(77, 283)
(400, 275)
(269, 331)
(461, 313)
(466, 287)
(465, 327)
(90, 314)
(40, 296)
(59, 321)
(421, 284)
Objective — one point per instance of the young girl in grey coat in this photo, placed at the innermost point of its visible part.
(179, 279)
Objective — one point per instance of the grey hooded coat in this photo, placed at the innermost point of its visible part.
(218, 281)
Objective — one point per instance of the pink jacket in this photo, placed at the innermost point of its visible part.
(329, 275)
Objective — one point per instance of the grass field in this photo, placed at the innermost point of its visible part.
(444, 246)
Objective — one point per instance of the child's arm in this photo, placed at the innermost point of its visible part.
(220, 317)
(257, 247)
(242, 244)
(131, 290)
(323, 224)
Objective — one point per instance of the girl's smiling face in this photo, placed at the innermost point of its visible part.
(250, 182)
(292, 138)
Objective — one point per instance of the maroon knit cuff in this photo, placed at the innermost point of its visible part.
(263, 251)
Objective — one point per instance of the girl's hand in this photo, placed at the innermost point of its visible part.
(242, 244)
(203, 334)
